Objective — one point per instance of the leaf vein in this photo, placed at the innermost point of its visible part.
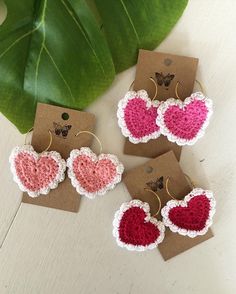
(59, 72)
(41, 50)
(19, 39)
(131, 22)
(86, 38)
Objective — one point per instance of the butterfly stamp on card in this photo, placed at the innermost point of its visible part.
(157, 184)
(61, 131)
(164, 80)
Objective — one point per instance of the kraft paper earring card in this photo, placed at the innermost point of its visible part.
(166, 70)
(63, 124)
(153, 174)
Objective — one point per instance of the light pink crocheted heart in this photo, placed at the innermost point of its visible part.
(184, 122)
(92, 175)
(137, 117)
(36, 173)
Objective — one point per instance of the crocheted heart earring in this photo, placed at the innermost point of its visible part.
(135, 229)
(137, 115)
(93, 175)
(37, 173)
(191, 216)
(184, 122)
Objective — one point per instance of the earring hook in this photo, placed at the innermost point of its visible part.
(168, 190)
(92, 134)
(50, 139)
(159, 201)
(155, 84)
(178, 83)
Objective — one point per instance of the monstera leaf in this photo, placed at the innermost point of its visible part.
(132, 24)
(66, 52)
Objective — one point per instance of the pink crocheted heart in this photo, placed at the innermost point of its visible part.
(137, 117)
(185, 122)
(36, 173)
(92, 175)
(192, 216)
(135, 229)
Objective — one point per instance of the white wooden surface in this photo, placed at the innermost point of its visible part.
(54, 252)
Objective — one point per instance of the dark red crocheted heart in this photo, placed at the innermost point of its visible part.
(194, 216)
(133, 228)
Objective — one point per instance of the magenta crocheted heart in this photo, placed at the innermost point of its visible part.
(137, 117)
(135, 229)
(193, 215)
(36, 173)
(92, 175)
(185, 122)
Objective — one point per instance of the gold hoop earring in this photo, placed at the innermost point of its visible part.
(92, 134)
(159, 201)
(179, 83)
(155, 84)
(168, 190)
(50, 139)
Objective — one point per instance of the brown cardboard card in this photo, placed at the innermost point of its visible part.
(167, 70)
(64, 124)
(146, 176)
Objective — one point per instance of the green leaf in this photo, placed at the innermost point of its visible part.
(54, 51)
(133, 24)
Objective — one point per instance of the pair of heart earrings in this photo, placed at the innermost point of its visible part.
(38, 173)
(183, 122)
(135, 229)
